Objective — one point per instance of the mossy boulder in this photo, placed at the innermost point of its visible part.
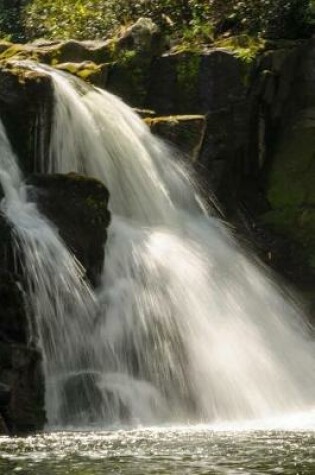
(291, 189)
(83, 222)
(54, 52)
(87, 71)
(187, 132)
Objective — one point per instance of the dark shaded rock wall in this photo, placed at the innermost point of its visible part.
(20, 368)
(78, 206)
(25, 109)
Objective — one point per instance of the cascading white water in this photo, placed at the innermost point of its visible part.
(190, 328)
(57, 297)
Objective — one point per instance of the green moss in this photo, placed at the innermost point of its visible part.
(291, 189)
(99, 210)
(128, 77)
(298, 224)
(292, 177)
(187, 75)
(88, 71)
(245, 47)
(185, 131)
(12, 51)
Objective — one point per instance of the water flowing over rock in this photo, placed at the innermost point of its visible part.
(83, 223)
(187, 326)
(36, 270)
(183, 325)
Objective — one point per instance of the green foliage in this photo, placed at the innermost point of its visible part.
(244, 46)
(82, 19)
(190, 20)
(11, 27)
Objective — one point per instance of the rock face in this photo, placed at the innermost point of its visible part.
(78, 207)
(25, 109)
(21, 383)
(290, 184)
(187, 132)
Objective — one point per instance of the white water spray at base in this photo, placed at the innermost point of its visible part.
(190, 328)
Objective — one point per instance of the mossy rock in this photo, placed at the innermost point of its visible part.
(26, 101)
(194, 82)
(83, 223)
(4, 45)
(54, 52)
(87, 71)
(291, 189)
(26, 412)
(292, 176)
(128, 77)
(186, 132)
(19, 52)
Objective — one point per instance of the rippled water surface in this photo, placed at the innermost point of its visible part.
(195, 450)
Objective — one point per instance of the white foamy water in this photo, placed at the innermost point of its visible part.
(189, 327)
(58, 300)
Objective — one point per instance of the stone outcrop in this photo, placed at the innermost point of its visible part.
(78, 206)
(290, 160)
(186, 132)
(25, 109)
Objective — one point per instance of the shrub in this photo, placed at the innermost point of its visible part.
(83, 19)
(11, 26)
(270, 18)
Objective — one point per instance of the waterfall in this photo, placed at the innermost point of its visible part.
(188, 327)
(58, 300)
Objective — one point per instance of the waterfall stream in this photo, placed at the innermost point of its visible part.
(184, 326)
(57, 294)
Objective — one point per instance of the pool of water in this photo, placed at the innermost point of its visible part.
(186, 450)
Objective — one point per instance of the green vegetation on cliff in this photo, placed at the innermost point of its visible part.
(183, 19)
(291, 191)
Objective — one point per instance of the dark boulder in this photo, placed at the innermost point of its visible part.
(78, 206)
(13, 321)
(5, 395)
(26, 109)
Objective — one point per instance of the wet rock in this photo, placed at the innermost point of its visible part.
(21, 390)
(3, 427)
(25, 109)
(194, 82)
(5, 395)
(87, 71)
(187, 132)
(26, 410)
(82, 399)
(13, 321)
(78, 206)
